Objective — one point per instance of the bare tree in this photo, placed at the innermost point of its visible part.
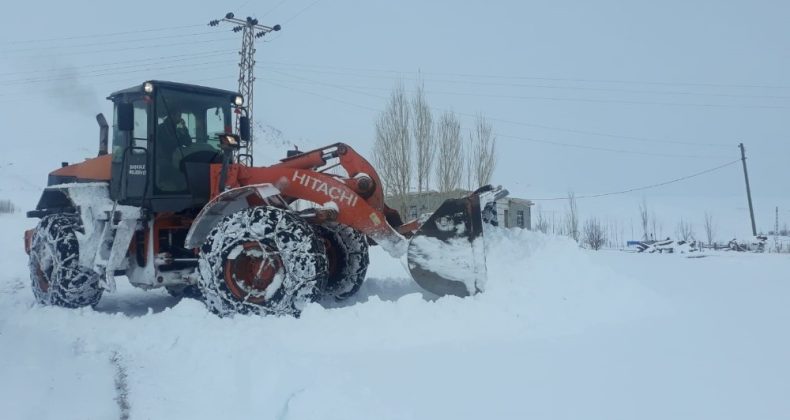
(594, 235)
(541, 223)
(392, 147)
(684, 231)
(645, 219)
(6, 206)
(469, 163)
(658, 229)
(449, 163)
(422, 132)
(482, 156)
(572, 218)
(710, 228)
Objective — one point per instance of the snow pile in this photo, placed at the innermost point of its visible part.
(557, 286)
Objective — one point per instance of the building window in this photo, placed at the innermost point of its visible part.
(413, 212)
(507, 222)
(520, 218)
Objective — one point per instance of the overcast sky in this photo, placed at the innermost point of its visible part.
(589, 96)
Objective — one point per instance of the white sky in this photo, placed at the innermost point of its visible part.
(710, 73)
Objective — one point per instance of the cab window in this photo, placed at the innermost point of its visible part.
(139, 132)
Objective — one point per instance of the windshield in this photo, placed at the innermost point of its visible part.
(188, 126)
(204, 116)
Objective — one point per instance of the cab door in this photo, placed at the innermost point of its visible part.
(131, 158)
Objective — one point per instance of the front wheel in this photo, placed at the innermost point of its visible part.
(55, 271)
(262, 260)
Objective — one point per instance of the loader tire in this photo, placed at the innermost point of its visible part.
(347, 254)
(55, 272)
(261, 260)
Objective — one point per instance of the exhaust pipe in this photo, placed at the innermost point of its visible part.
(104, 131)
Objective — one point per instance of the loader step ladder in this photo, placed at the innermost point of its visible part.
(117, 231)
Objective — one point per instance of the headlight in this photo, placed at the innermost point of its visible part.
(148, 87)
(239, 101)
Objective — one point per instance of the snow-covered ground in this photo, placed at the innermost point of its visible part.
(560, 333)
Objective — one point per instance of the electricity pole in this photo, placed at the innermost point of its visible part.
(250, 31)
(748, 189)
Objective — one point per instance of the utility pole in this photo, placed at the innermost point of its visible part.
(776, 222)
(250, 31)
(776, 231)
(748, 189)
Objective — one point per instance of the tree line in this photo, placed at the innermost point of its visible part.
(596, 233)
(415, 152)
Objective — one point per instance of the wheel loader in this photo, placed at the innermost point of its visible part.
(175, 204)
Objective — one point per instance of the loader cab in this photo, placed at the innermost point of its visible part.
(165, 137)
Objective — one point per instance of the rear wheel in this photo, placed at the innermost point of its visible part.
(261, 260)
(55, 272)
(347, 253)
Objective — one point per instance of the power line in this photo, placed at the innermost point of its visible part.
(113, 83)
(602, 134)
(647, 187)
(147, 60)
(110, 42)
(321, 96)
(394, 74)
(605, 149)
(527, 124)
(600, 149)
(635, 82)
(612, 101)
(301, 11)
(554, 79)
(276, 6)
(291, 19)
(73, 74)
(125, 49)
(99, 35)
(583, 100)
(642, 139)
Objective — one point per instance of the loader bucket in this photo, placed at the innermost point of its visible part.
(446, 255)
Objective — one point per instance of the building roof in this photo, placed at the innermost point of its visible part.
(460, 193)
(521, 201)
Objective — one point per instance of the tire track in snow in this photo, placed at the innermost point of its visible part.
(284, 412)
(121, 385)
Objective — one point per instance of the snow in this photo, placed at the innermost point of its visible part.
(459, 261)
(559, 333)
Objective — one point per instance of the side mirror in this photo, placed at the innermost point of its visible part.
(125, 117)
(229, 142)
(244, 128)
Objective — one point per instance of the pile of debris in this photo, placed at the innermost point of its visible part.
(668, 246)
(757, 244)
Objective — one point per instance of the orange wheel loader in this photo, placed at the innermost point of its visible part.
(170, 205)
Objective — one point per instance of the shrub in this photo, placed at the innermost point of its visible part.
(594, 235)
(6, 206)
